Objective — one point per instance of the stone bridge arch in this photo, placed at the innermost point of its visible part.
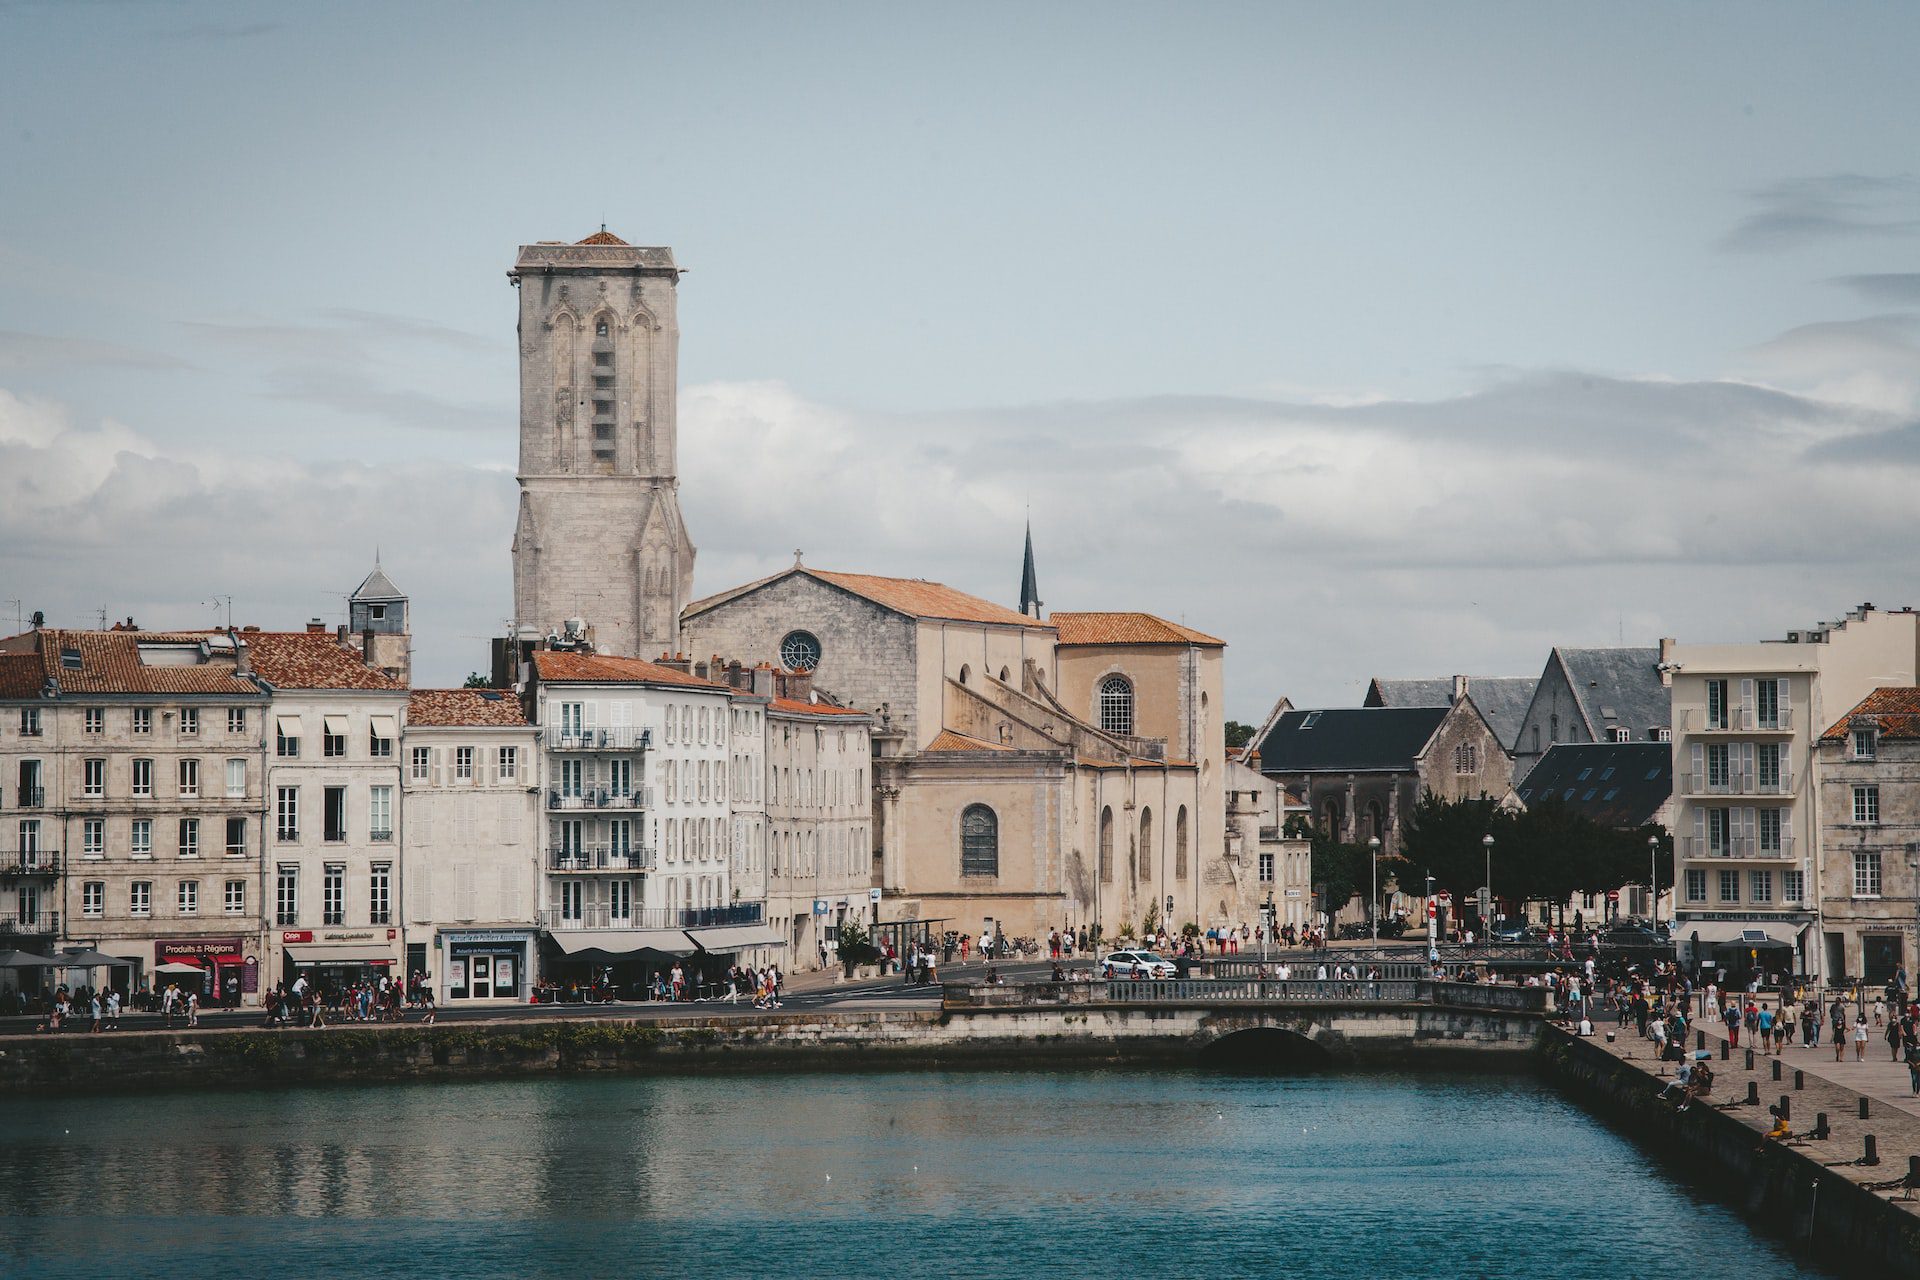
(1282, 1040)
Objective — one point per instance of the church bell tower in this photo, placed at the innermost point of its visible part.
(600, 538)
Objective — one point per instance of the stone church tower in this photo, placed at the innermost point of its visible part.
(600, 537)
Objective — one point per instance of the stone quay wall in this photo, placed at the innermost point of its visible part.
(1810, 1194)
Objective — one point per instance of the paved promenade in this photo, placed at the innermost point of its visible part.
(1877, 1077)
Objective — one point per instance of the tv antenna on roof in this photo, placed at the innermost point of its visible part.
(217, 602)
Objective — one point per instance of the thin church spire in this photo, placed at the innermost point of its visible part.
(1029, 580)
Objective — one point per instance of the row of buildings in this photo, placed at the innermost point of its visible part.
(1784, 771)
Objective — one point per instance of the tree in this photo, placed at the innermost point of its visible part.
(1342, 870)
(477, 681)
(1238, 735)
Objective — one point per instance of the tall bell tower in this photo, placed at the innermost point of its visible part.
(600, 537)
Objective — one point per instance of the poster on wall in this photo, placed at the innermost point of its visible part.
(457, 973)
(503, 973)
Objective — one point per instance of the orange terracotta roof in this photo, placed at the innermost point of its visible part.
(1895, 713)
(556, 666)
(793, 706)
(1127, 628)
(109, 662)
(602, 236)
(453, 708)
(915, 597)
(948, 740)
(310, 660)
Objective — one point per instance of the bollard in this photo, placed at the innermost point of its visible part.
(1799, 1079)
(1753, 1092)
(1913, 1171)
(1749, 1059)
(1786, 1107)
(1725, 1052)
(1820, 1129)
(1872, 1155)
(1776, 1068)
(1700, 1040)
(1863, 1108)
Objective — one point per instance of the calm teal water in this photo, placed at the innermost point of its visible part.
(950, 1175)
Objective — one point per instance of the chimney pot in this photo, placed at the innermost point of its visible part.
(316, 627)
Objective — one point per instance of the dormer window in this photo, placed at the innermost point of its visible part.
(377, 612)
(1313, 718)
(1866, 743)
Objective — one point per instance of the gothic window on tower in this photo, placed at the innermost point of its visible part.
(604, 400)
(800, 651)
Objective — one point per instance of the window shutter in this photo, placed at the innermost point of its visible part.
(1746, 694)
(588, 718)
(1700, 826)
(1699, 760)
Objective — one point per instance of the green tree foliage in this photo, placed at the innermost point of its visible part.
(1239, 735)
(477, 681)
(1343, 869)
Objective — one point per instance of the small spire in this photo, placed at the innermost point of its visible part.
(1029, 580)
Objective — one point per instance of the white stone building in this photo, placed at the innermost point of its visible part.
(820, 826)
(471, 844)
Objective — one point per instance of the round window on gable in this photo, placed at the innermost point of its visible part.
(800, 651)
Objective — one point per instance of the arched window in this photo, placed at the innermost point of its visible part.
(979, 842)
(1180, 844)
(1376, 820)
(1003, 675)
(1336, 827)
(1146, 845)
(965, 671)
(1106, 845)
(1116, 705)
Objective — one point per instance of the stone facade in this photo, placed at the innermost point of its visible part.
(1869, 819)
(819, 807)
(600, 536)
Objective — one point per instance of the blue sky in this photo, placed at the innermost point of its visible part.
(1377, 339)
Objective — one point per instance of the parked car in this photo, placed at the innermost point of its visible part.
(1136, 964)
(1632, 935)
(1516, 931)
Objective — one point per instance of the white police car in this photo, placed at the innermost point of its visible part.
(1135, 964)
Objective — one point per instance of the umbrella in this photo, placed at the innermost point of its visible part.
(85, 960)
(23, 960)
(178, 966)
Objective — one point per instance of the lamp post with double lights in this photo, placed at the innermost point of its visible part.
(1486, 843)
(1653, 882)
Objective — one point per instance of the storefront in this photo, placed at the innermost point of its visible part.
(478, 965)
(335, 959)
(231, 975)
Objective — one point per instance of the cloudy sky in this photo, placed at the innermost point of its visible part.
(1395, 340)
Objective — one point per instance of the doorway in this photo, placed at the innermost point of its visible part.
(1879, 958)
(479, 977)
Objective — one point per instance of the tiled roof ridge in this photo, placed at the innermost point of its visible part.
(1125, 626)
(1895, 707)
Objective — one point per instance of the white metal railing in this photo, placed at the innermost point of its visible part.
(611, 738)
(1738, 783)
(600, 857)
(1734, 847)
(1740, 720)
(602, 798)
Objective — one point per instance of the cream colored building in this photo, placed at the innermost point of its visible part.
(470, 837)
(819, 808)
(1869, 815)
(131, 774)
(1748, 834)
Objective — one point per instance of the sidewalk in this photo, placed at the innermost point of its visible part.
(1877, 1077)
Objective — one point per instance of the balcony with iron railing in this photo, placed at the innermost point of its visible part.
(599, 915)
(1779, 783)
(602, 798)
(1739, 720)
(29, 797)
(601, 857)
(21, 863)
(612, 738)
(1741, 847)
(33, 924)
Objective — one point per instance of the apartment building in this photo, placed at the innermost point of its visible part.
(132, 803)
(1746, 718)
(820, 827)
(470, 843)
(334, 785)
(1869, 815)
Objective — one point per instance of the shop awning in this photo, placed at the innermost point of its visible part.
(623, 941)
(289, 726)
(734, 939)
(336, 726)
(1761, 933)
(338, 953)
(386, 727)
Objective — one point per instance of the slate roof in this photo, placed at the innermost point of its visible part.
(1617, 784)
(378, 586)
(109, 662)
(457, 708)
(1349, 739)
(1127, 628)
(1502, 700)
(1895, 713)
(914, 597)
(555, 666)
(1623, 682)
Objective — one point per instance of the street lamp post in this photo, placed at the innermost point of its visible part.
(1373, 898)
(1653, 881)
(1486, 926)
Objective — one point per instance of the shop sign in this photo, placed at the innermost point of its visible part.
(296, 935)
(457, 973)
(503, 971)
(483, 935)
(363, 936)
(250, 975)
(194, 948)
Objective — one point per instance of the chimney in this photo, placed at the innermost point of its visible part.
(1666, 648)
(1459, 688)
(315, 627)
(762, 683)
(794, 685)
(242, 663)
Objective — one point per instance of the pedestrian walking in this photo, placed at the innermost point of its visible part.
(1837, 1019)
(1893, 1040)
(1860, 1040)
